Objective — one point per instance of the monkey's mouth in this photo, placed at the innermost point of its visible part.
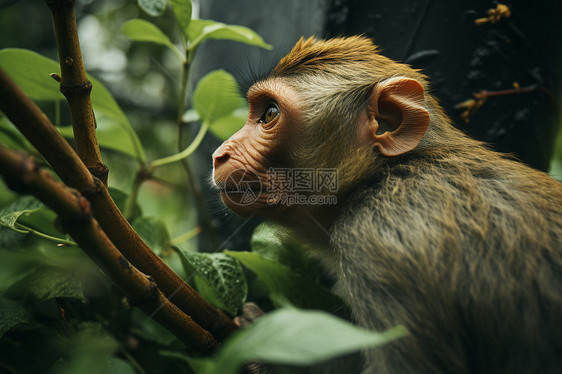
(240, 187)
(240, 194)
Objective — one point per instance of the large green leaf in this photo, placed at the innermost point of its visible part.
(224, 127)
(216, 96)
(182, 11)
(152, 331)
(282, 280)
(153, 7)
(271, 241)
(217, 101)
(10, 137)
(201, 30)
(27, 213)
(292, 337)
(12, 313)
(145, 31)
(46, 283)
(219, 278)
(153, 232)
(90, 351)
(121, 199)
(31, 73)
(22, 206)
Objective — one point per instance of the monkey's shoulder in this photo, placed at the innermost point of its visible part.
(469, 205)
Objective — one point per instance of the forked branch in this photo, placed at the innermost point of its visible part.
(22, 175)
(29, 119)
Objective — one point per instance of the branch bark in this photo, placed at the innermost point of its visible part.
(35, 126)
(76, 87)
(22, 175)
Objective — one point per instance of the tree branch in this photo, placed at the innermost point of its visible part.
(36, 127)
(76, 87)
(22, 175)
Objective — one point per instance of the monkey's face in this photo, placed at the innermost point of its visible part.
(243, 164)
(307, 140)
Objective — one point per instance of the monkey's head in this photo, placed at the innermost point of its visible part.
(330, 112)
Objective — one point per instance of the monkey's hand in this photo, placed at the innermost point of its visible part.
(250, 313)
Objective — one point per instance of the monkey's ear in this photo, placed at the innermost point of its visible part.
(397, 117)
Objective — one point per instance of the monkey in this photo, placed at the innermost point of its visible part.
(431, 229)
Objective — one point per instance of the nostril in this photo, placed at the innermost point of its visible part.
(220, 159)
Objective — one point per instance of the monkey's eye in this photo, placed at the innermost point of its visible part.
(270, 114)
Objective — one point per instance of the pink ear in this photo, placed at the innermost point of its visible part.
(399, 119)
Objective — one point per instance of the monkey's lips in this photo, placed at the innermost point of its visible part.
(241, 187)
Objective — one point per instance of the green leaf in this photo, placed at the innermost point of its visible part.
(282, 280)
(46, 283)
(226, 126)
(216, 96)
(152, 331)
(201, 30)
(199, 365)
(182, 11)
(115, 365)
(31, 72)
(154, 8)
(16, 265)
(266, 243)
(31, 213)
(12, 314)
(153, 232)
(90, 351)
(110, 136)
(284, 249)
(121, 198)
(145, 31)
(296, 337)
(22, 206)
(113, 126)
(219, 278)
(190, 115)
(11, 138)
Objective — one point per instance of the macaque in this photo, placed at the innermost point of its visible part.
(429, 229)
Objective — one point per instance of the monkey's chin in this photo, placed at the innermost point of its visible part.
(243, 204)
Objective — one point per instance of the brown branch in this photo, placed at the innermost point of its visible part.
(35, 126)
(22, 175)
(470, 107)
(76, 87)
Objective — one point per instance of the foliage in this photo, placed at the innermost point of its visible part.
(291, 336)
(58, 312)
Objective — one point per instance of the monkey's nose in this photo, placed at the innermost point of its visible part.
(220, 159)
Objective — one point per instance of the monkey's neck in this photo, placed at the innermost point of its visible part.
(313, 223)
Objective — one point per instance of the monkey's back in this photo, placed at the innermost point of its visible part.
(467, 253)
